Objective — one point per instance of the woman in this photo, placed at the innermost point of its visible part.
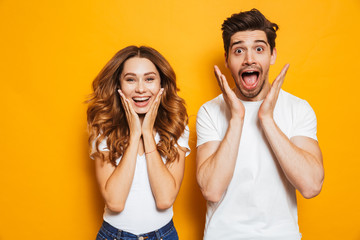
(139, 137)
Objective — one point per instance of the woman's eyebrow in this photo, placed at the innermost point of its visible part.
(130, 73)
(148, 73)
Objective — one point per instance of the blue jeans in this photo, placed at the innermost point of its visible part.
(108, 232)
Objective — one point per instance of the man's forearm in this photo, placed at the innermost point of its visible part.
(215, 172)
(301, 161)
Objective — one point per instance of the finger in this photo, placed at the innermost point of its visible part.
(150, 116)
(281, 77)
(126, 105)
(277, 84)
(218, 77)
(130, 107)
(158, 98)
(123, 101)
(155, 105)
(122, 98)
(228, 92)
(225, 84)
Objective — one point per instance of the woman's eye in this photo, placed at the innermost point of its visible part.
(129, 79)
(149, 79)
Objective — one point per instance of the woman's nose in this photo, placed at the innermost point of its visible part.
(140, 87)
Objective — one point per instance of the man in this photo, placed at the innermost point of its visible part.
(256, 143)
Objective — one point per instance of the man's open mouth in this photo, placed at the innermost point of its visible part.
(250, 78)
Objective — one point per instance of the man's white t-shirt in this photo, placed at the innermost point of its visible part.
(259, 203)
(140, 214)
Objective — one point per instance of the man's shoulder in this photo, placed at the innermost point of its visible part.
(289, 96)
(290, 99)
(214, 111)
(214, 104)
(290, 104)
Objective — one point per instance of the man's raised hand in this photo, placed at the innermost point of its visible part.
(233, 102)
(267, 107)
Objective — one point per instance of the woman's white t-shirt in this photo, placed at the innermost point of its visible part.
(140, 214)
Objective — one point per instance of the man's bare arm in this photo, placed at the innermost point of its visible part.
(216, 160)
(299, 157)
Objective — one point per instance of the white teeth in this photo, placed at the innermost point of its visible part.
(141, 98)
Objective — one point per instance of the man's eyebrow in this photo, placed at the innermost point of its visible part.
(241, 41)
(237, 42)
(262, 41)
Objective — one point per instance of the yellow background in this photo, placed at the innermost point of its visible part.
(51, 51)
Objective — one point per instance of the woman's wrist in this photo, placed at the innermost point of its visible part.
(147, 134)
(149, 152)
(134, 136)
(149, 142)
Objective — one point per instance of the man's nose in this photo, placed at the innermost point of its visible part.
(249, 58)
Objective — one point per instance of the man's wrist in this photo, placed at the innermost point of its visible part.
(267, 121)
(236, 121)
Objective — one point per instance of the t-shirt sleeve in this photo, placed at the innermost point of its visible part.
(102, 147)
(183, 141)
(205, 127)
(305, 122)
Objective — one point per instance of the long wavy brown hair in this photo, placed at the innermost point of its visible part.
(106, 116)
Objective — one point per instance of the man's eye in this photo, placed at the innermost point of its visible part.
(238, 50)
(259, 49)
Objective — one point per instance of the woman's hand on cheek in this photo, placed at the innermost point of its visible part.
(131, 116)
(150, 117)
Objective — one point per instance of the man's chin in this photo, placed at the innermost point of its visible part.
(251, 94)
(248, 94)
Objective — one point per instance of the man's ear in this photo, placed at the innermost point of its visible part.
(273, 56)
(226, 58)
